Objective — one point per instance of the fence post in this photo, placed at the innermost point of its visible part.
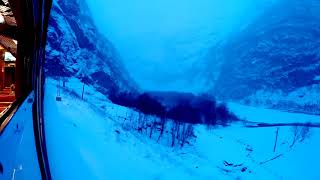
(276, 140)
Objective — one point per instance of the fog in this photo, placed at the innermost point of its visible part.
(162, 41)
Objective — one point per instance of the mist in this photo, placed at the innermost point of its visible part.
(162, 41)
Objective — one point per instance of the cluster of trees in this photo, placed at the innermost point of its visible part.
(163, 131)
(171, 123)
(196, 110)
(201, 110)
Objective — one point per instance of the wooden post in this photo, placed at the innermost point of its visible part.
(58, 97)
(82, 91)
(276, 140)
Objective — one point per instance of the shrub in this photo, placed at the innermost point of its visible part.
(196, 110)
(148, 105)
(185, 113)
(207, 107)
(123, 99)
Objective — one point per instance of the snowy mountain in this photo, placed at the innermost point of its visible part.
(76, 48)
(275, 61)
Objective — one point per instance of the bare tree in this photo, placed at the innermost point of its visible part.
(300, 133)
(173, 133)
(162, 127)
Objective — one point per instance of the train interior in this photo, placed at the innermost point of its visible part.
(7, 79)
(8, 52)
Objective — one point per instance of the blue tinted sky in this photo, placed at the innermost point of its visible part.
(161, 41)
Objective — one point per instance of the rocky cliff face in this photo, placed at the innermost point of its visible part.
(279, 54)
(76, 48)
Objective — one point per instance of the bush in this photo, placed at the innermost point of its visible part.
(201, 110)
(148, 105)
(207, 107)
(123, 99)
(222, 114)
(185, 113)
(196, 110)
(176, 119)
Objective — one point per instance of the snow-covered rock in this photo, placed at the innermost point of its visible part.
(75, 48)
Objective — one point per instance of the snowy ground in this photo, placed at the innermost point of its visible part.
(18, 155)
(262, 115)
(85, 141)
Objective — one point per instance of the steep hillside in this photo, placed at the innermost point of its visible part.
(76, 48)
(277, 55)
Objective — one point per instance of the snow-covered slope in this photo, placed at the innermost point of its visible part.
(277, 55)
(76, 48)
(93, 144)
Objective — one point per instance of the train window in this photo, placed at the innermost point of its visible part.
(7, 75)
(15, 70)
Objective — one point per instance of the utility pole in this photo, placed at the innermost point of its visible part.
(58, 97)
(82, 91)
(276, 140)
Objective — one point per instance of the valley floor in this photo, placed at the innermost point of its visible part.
(86, 141)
